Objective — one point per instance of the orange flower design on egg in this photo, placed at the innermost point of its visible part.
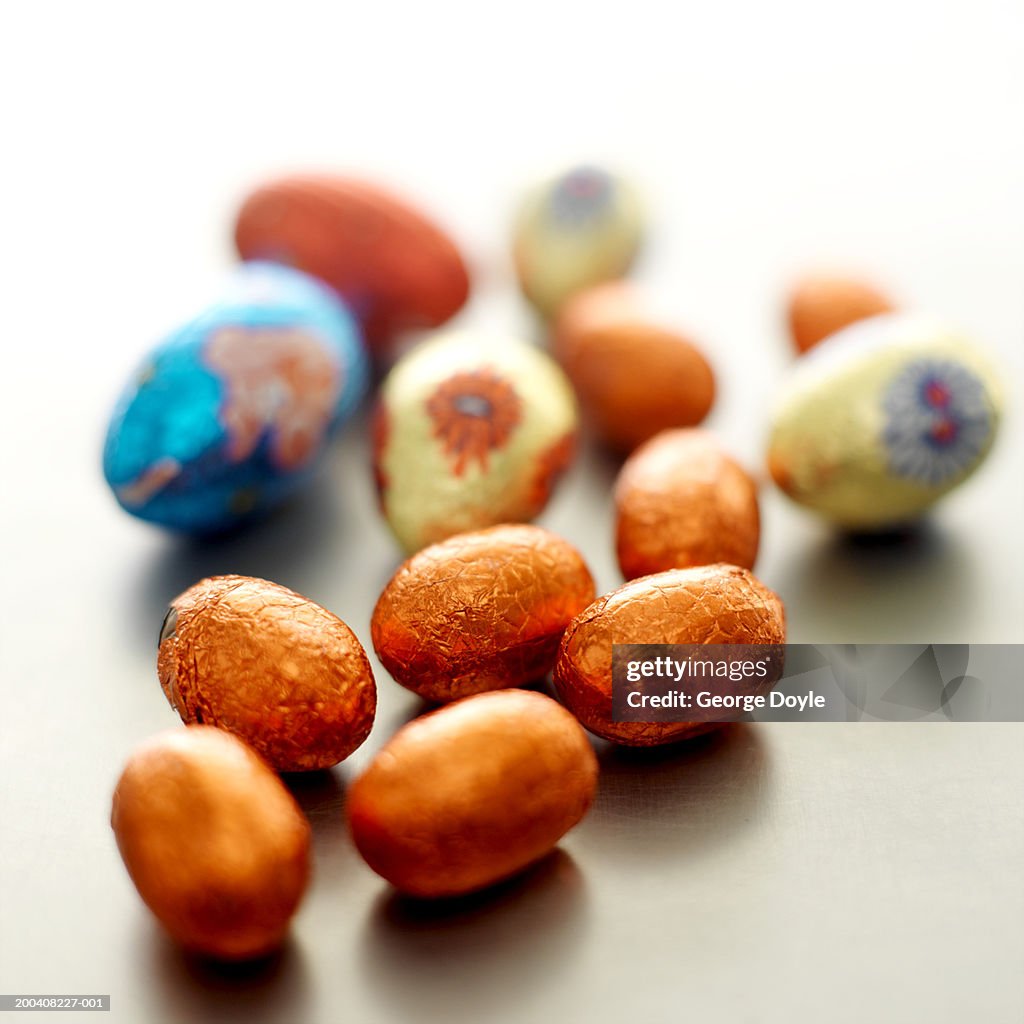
(474, 414)
(278, 379)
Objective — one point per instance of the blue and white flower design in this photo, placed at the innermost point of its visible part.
(938, 421)
(581, 196)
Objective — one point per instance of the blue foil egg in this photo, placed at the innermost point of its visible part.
(229, 415)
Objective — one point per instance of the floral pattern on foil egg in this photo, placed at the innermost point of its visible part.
(582, 195)
(938, 420)
(229, 414)
(879, 421)
(474, 414)
(469, 432)
(574, 230)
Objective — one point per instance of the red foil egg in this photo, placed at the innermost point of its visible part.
(393, 265)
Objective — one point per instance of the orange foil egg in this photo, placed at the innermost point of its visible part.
(480, 611)
(633, 377)
(473, 793)
(711, 604)
(680, 501)
(270, 666)
(821, 304)
(215, 844)
(396, 268)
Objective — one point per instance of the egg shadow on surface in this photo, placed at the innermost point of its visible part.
(458, 959)
(912, 584)
(417, 707)
(290, 546)
(185, 986)
(321, 796)
(680, 800)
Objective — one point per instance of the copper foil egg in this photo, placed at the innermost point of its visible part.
(214, 842)
(821, 304)
(270, 666)
(480, 611)
(711, 604)
(633, 376)
(680, 501)
(472, 793)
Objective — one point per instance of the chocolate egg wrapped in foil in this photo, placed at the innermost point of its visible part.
(215, 844)
(580, 228)
(682, 500)
(472, 793)
(269, 665)
(633, 377)
(707, 604)
(882, 419)
(821, 304)
(469, 432)
(391, 263)
(228, 415)
(480, 611)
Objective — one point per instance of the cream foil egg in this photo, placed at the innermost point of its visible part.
(577, 229)
(882, 419)
(470, 431)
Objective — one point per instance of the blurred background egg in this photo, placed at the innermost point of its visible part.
(470, 431)
(580, 228)
(820, 304)
(882, 420)
(394, 266)
(228, 415)
(633, 376)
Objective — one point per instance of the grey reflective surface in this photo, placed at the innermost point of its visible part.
(772, 872)
(784, 873)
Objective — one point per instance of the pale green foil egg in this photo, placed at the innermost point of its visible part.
(574, 230)
(469, 432)
(882, 419)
